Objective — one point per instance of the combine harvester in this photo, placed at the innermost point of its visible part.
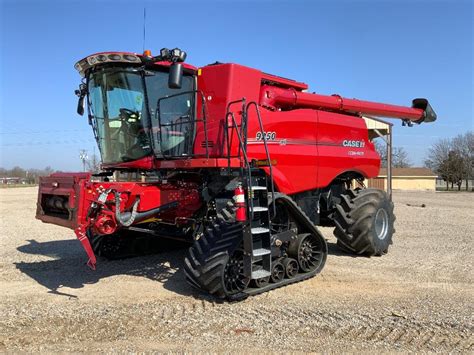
(242, 164)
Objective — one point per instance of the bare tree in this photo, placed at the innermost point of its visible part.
(437, 156)
(463, 145)
(400, 157)
(453, 159)
(381, 148)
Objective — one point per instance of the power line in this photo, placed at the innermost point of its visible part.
(56, 142)
(25, 132)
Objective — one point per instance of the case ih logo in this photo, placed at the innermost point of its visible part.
(353, 144)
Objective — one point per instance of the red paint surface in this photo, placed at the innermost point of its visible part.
(308, 140)
(312, 140)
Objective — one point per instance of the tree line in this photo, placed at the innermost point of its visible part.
(30, 176)
(400, 158)
(453, 159)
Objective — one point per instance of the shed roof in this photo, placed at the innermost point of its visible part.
(408, 172)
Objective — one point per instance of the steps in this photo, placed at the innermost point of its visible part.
(257, 237)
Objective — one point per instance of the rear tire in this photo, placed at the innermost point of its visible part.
(364, 222)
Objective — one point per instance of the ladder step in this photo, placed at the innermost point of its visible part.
(258, 274)
(259, 230)
(259, 187)
(259, 209)
(261, 251)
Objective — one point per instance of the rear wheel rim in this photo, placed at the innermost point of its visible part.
(381, 224)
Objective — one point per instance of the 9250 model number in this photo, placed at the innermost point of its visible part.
(269, 136)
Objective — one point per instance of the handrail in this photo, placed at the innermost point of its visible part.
(242, 100)
(267, 152)
(244, 154)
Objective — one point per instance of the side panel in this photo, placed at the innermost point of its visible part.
(311, 148)
(220, 85)
(343, 145)
(292, 143)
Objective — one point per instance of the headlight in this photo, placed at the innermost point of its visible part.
(92, 60)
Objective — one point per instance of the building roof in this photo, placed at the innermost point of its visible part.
(408, 172)
(377, 127)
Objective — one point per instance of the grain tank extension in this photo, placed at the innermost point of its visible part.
(242, 164)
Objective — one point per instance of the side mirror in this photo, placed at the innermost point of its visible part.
(175, 78)
(81, 93)
(80, 105)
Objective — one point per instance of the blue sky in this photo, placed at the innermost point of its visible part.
(388, 51)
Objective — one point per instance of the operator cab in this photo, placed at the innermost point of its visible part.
(139, 105)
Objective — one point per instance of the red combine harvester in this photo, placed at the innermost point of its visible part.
(242, 164)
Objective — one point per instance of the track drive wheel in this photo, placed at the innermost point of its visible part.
(364, 222)
(214, 264)
(308, 250)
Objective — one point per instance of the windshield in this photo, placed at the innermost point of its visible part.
(118, 100)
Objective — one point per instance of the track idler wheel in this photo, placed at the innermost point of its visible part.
(291, 267)
(308, 250)
(278, 272)
(259, 283)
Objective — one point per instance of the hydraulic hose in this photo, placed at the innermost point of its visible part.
(126, 219)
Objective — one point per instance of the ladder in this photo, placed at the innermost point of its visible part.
(256, 232)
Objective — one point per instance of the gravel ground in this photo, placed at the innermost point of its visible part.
(418, 298)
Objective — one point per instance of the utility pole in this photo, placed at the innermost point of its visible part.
(83, 156)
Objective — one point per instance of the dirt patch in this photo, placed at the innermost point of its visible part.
(416, 298)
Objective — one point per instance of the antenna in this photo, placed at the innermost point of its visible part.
(144, 27)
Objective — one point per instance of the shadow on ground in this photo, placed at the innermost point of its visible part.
(69, 269)
(334, 250)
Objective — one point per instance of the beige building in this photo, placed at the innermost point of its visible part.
(406, 179)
